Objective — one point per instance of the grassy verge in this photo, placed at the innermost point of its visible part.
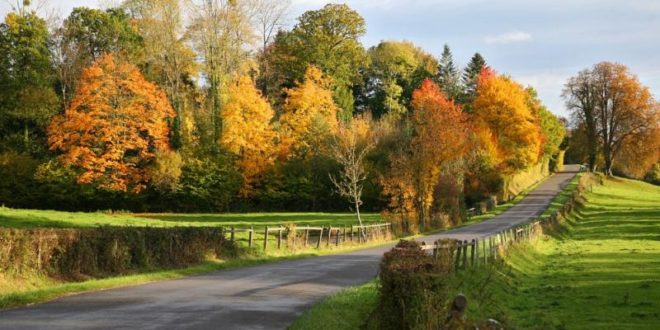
(26, 218)
(561, 198)
(600, 272)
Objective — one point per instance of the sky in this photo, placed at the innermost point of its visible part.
(540, 43)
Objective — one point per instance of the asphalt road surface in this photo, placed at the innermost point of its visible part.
(269, 296)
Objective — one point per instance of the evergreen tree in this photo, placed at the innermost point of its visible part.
(470, 74)
(448, 77)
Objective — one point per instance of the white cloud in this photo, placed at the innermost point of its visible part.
(507, 38)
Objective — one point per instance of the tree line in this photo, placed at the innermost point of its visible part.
(165, 105)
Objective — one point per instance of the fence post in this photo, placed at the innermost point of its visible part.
(232, 233)
(266, 238)
(472, 252)
(318, 244)
(483, 249)
(457, 262)
(343, 236)
(329, 236)
(250, 236)
(279, 237)
(306, 235)
(337, 232)
(465, 246)
(351, 233)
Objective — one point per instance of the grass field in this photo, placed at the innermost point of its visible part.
(601, 270)
(25, 218)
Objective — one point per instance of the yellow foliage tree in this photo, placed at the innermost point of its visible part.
(505, 124)
(247, 130)
(309, 115)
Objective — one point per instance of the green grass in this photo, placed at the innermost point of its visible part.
(561, 198)
(600, 270)
(26, 218)
(348, 310)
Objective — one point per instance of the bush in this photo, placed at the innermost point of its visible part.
(106, 251)
(413, 288)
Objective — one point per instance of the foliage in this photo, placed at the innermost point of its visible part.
(507, 128)
(395, 71)
(27, 99)
(309, 116)
(448, 77)
(112, 128)
(247, 131)
(413, 289)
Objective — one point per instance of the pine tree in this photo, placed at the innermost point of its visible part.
(448, 77)
(470, 74)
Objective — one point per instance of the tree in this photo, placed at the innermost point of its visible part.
(579, 93)
(221, 32)
(116, 123)
(327, 38)
(247, 130)
(448, 77)
(470, 76)
(440, 136)
(505, 122)
(396, 70)
(27, 100)
(614, 108)
(86, 35)
(350, 147)
(552, 128)
(168, 60)
(309, 115)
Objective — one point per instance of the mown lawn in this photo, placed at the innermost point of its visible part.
(25, 218)
(601, 270)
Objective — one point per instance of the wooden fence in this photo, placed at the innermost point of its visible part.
(481, 251)
(305, 236)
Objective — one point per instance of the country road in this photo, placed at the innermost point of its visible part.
(268, 296)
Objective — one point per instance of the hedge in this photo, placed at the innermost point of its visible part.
(78, 254)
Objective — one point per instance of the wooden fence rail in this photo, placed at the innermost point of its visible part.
(332, 235)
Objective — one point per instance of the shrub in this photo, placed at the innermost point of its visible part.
(106, 251)
(413, 288)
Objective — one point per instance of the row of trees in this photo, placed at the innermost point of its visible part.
(154, 105)
(617, 121)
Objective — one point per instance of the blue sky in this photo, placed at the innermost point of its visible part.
(538, 42)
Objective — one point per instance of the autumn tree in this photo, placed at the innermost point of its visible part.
(551, 127)
(309, 115)
(350, 147)
(614, 107)
(27, 97)
(505, 123)
(167, 60)
(327, 38)
(247, 130)
(394, 73)
(116, 123)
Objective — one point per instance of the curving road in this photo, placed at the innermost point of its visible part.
(268, 296)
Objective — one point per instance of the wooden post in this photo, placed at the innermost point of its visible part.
(250, 236)
(475, 252)
(232, 233)
(266, 238)
(329, 236)
(306, 235)
(318, 244)
(465, 246)
(457, 262)
(337, 236)
(343, 237)
(279, 238)
(351, 233)
(483, 250)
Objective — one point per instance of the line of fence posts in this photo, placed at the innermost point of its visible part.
(341, 236)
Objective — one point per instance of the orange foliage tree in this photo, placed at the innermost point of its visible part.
(247, 130)
(309, 115)
(113, 127)
(508, 131)
(440, 137)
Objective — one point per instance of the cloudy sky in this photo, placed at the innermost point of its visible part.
(537, 42)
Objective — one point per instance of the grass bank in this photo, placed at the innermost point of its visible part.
(599, 270)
